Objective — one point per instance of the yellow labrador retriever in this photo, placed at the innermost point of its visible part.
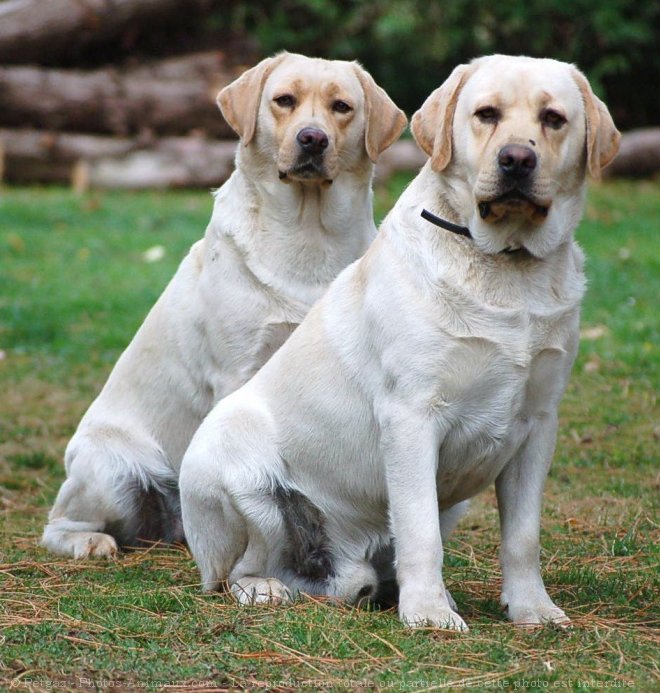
(430, 369)
(295, 212)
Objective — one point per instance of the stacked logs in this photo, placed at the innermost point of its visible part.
(154, 124)
(148, 124)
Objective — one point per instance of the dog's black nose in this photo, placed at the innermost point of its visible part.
(312, 140)
(516, 161)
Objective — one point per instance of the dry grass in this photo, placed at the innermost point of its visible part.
(141, 621)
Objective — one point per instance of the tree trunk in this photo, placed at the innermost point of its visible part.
(173, 96)
(403, 155)
(639, 155)
(111, 162)
(31, 30)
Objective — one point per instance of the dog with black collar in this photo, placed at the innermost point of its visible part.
(431, 368)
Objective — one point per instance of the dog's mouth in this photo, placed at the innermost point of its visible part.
(310, 170)
(513, 202)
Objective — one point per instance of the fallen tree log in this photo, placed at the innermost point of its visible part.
(176, 162)
(31, 30)
(88, 161)
(403, 155)
(29, 156)
(639, 155)
(32, 156)
(172, 96)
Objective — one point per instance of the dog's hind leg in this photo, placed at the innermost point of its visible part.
(450, 517)
(234, 534)
(107, 501)
(231, 519)
(247, 525)
(246, 582)
(78, 538)
(215, 532)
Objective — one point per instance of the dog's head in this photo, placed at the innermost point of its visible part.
(312, 118)
(514, 136)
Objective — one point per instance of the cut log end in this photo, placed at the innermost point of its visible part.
(86, 162)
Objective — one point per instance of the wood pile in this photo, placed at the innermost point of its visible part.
(152, 124)
(147, 121)
(639, 155)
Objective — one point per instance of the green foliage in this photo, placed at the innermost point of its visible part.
(410, 46)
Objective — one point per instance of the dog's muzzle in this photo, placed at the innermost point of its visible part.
(310, 163)
(516, 164)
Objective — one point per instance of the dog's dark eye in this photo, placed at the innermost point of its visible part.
(341, 107)
(285, 101)
(552, 119)
(488, 114)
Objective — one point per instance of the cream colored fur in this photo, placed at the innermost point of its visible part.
(431, 368)
(275, 241)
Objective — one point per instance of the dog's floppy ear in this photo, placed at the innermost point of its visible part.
(602, 136)
(384, 121)
(432, 125)
(239, 101)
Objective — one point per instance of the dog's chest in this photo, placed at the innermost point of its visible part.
(244, 322)
(491, 392)
(271, 337)
(249, 351)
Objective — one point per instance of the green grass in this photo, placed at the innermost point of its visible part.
(74, 286)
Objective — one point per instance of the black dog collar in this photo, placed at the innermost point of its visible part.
(459, 230)
(447, 225)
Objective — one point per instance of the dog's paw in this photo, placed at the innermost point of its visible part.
(88, 544)
(535, 615)
(418, 613)
(443, 618)
(254, 590)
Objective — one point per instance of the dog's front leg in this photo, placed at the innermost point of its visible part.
(519, 496)
(410, 452)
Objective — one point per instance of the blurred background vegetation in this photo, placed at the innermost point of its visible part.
(81, 72)
(410, 46)
(144, 71)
